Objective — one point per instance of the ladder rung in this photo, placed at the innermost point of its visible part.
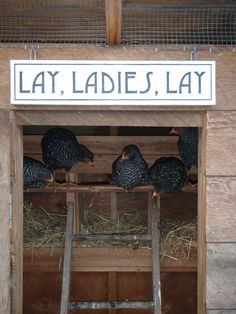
(110, 305)
(111, 237)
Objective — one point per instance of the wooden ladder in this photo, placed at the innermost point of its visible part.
(154, 236)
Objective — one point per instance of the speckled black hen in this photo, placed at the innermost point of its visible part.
(167, 175)
(61, 150)
(36, 175)
(187, 145)
(130, 169)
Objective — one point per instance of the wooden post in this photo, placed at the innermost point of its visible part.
(81, 205)
(156, 280)
(201, 254)
(113, 195)
(67, 260)
(149, 209)
(113, 21)
(17, 218)
(112, 289)
(5, 212)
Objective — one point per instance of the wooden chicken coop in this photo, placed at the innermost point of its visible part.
(204, 281)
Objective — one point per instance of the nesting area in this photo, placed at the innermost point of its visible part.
(43, 229)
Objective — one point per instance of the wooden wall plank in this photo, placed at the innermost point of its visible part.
(110, 118)
(102, 260)
(221, 276)
(179, 295)
(112, 144)
(225, 71)
(5, 213)
(221, 143)
(17, 218)
(107, 148)
(220, 207)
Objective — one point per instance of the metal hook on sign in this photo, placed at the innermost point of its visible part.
(193, 54)
(33, 53)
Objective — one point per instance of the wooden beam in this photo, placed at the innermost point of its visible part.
(17, 218)
(111, 145)
(65, 291)
(110, 118)
(103, 260)
(96, 188)
(113, 21)
(201, 274)
(113, 196)
(5, 212)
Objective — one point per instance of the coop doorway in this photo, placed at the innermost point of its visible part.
(187, 209)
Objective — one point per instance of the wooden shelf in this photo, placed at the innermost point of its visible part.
(103, 260)
(103, 187)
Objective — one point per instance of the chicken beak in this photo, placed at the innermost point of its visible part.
(155, 193)
(50, 180)
(125, 157)
(90, 162)
(172, 131)
(175, 131)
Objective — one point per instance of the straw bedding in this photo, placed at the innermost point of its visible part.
(44, 229)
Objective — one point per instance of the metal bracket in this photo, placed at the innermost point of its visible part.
(193, 54)
(33, 53)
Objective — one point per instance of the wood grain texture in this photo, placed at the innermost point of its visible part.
(113, 21)
(5, 212)
(220, 208)
(201, 214)
(109, 118)
(106, 145)
(221, 276)
(225, 70)
(179, 291)
(221, 143)
(17, 219)
(102, 260)
(112, 289)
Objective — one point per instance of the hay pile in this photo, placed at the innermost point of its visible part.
(178, 238)
(44, 229)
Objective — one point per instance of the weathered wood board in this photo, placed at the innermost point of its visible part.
(5, 212)
(44, 299)
(221, 143)
(225, 72)
(17, 218)
(221, 276)
(220, 209)
(103, 117)
(102, 260)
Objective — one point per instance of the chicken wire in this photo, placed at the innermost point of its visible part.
(78, 21)
(179, 25)
(74, 23)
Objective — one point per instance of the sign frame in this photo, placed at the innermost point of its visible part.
(96, 82)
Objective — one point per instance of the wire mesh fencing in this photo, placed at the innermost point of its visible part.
(84, 22)
(179, 25)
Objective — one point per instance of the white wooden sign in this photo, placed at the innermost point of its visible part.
(40, 82)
